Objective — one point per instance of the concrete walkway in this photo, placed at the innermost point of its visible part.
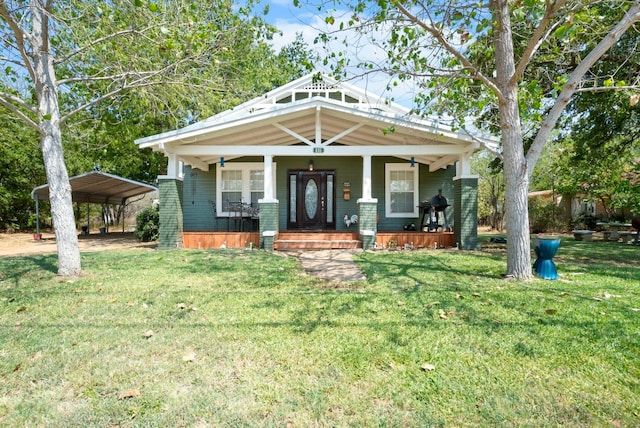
(330, 265)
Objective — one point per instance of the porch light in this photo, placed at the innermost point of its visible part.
(413, 162)
(310, 165)
(221, 162)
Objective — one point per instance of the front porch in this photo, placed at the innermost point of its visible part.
(314, 155)
(317, 240)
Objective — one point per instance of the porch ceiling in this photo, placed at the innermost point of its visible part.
(314, 126)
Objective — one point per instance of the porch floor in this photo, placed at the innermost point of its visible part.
(289, 239)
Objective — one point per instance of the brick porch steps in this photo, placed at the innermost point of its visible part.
(317, 240)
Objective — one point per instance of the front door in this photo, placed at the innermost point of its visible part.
(311, 200)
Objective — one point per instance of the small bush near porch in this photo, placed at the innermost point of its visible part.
(244, 338)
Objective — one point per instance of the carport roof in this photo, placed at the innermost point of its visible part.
(99, 188)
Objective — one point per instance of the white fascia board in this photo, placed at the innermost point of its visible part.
(417, 150)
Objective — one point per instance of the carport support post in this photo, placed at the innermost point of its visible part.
(38, 216)
(171, 218)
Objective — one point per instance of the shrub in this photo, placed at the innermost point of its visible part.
(585, 221)
(147, 224)
(544, 217)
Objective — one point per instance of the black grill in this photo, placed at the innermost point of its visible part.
(432, 208)
(439, 202)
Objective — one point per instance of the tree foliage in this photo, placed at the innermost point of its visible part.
(490, 189)
(601, 138)
(20, 170)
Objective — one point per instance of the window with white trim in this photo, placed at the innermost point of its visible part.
(239, 182)
(401, 190)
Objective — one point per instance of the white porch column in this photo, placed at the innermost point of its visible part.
(463, 166)
(173, 166)
(366, 177)
(367, 208)
(268, 178)
(269, 208)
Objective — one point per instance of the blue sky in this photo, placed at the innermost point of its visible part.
(309, 22)
(291, 20)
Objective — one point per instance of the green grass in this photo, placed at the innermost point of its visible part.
(244, 338)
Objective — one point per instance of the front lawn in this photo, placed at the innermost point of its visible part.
(245, 338)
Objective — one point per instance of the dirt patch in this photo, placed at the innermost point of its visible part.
(20, 244)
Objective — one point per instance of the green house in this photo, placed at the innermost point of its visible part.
(315, 156)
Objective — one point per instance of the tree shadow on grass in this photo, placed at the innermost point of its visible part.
(14, 269)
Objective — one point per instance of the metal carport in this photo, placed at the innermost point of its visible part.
(95, 187)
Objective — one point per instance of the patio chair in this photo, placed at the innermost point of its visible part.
(216, 217)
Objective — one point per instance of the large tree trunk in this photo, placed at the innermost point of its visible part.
(61, 204)
(516, 176)
(51, 145)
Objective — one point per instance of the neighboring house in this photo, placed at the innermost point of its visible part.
(308, 156)
(572, 207)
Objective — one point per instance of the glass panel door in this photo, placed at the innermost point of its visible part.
(311, 200)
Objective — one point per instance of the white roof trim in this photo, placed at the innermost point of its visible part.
(385, 119)
(318, 111)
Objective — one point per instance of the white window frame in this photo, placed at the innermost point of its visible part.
(246, 168)
(392, 167)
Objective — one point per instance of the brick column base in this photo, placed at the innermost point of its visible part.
(465, 212)
(171, 220)
(368, 222)
(269, 211)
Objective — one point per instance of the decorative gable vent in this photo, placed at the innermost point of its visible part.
(317, 86)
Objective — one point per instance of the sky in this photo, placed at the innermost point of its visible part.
(291, 20)
(309, 22)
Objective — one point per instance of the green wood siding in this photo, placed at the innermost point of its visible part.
(429, 183)
(198, 189)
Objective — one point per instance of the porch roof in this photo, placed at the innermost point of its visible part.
(315, 117)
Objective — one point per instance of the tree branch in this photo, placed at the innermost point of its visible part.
(98, 41)
(12, 61)
(607, 88)
(537, 38)
(476, 74)
(630, 18)
(139, 75)
(12, 102)
(493, 150)
(142, 81)
(21, 34)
